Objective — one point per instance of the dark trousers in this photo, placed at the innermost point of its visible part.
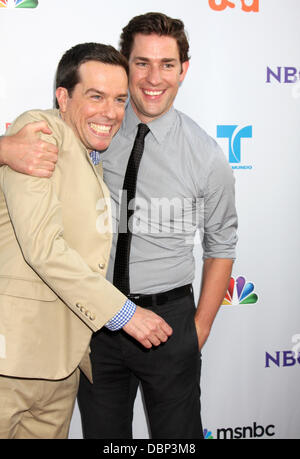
(169, 376)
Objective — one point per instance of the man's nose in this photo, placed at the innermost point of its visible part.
(108, 109)
(154, 75)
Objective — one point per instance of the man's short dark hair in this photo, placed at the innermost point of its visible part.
(155, 23)
(67, 75)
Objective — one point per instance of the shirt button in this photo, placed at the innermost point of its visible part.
(101, 265)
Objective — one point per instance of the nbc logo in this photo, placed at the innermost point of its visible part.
(18, 3)
(283, 75)
(240, 292)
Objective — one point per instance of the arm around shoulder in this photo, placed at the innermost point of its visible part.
(36, 213)
(3, 149)
(24, 151)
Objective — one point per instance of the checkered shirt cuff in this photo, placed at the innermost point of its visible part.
(95, 157)
(122, 317)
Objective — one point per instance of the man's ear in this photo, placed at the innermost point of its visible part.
(184, 69)
(62, 97)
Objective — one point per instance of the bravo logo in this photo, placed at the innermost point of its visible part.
(235, 134)
(18, 3)
(247, 5)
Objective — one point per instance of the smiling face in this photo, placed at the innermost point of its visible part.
(155, 73)
(96, 107)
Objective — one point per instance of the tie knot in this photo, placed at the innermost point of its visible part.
(142, 130)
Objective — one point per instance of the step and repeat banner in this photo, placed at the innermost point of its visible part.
(243, 88)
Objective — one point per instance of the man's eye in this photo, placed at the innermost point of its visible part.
(96, 97)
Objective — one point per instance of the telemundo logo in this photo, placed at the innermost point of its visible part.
(234, 134)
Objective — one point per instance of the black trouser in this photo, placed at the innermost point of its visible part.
(169, 375)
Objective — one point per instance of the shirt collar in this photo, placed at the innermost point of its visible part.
(158, 127)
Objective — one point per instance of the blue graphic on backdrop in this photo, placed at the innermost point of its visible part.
(234, 136)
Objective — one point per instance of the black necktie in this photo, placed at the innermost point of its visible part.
(121, 268)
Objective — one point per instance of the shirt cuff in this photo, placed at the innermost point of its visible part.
(122, 317)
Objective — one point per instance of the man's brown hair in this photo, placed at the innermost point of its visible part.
(67, 74)
(155, 23)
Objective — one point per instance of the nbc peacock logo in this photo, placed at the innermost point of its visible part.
(240, 292)
(18, 3)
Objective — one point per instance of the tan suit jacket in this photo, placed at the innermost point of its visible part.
(55, 240)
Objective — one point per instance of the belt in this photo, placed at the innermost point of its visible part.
(160, 298)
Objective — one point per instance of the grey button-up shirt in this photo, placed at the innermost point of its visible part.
(184, 183)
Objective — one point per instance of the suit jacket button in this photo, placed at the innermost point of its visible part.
(92, 317)
(101, 265)
(78, 305)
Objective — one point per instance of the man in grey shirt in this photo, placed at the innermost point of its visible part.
(184, 183)
(183, 173)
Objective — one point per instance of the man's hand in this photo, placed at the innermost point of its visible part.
(25, 152)
(148, 328)
(202, 335)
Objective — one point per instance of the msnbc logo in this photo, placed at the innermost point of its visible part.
(240, 292)
(18, 3)
(207, 435)
(253, 430)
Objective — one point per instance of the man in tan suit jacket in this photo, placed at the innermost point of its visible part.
(55, 242)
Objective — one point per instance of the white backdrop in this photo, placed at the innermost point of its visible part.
(241, 74)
